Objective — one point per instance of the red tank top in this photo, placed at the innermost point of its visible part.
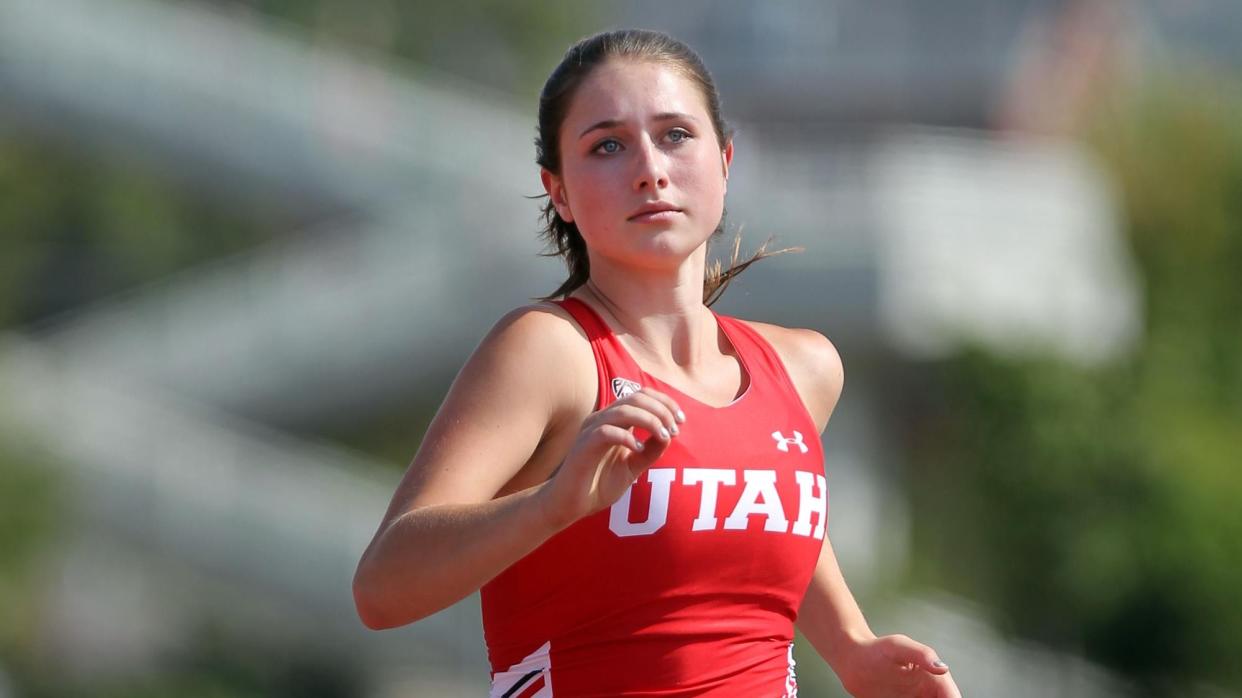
(690, 584)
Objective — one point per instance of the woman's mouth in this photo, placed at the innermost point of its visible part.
(655, 216)
(654, 213)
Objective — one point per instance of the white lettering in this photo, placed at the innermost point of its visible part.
(657, 511)
(711, 479)
(759, 484)
(809, 504)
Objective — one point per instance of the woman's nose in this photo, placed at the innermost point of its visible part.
(651, 168)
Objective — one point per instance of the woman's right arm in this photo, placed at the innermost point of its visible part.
(445, 533)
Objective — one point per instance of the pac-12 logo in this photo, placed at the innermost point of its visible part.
(783, 443)
(622, 387)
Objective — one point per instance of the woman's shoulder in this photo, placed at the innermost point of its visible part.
(542, 332)
(813, 363)
(537, 345)
(804, 348)
(541, 320)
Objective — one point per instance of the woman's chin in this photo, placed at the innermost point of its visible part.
(665, 252)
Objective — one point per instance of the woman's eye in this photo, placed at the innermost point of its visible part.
(678, 135)
(608, 147)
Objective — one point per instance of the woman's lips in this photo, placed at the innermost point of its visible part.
(655, 216)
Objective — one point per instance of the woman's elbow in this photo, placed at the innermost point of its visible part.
(376, 608)
(370, 604)
(369, 611)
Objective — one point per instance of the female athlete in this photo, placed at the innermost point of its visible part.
(634, 482)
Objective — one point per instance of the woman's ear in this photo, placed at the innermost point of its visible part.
(726, 158)
(556, 191)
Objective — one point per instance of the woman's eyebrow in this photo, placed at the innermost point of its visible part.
(614, 123)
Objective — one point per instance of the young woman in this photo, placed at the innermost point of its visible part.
(634, 482)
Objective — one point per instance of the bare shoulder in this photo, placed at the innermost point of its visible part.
(537, 349)
(538, 326)
(531, 375)
(813, 364)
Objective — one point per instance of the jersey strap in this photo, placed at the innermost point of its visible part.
(760, 357)
(619, 375)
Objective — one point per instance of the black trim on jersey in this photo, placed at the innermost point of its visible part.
(513, 689)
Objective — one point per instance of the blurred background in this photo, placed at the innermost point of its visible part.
(245, 246)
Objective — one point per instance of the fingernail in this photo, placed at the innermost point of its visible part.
(674, 429)
(664, 432)
(638, 446)
(681, 416)
(939, 664)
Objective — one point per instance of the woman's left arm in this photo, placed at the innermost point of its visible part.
(868, 666)
(893, 665)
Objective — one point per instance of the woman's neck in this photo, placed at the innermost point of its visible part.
(662, 313)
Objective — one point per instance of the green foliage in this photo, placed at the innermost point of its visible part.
(1098, 508)
(30, 512)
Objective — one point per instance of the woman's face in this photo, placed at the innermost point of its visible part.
(642, 172)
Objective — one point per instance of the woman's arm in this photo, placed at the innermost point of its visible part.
(443, 535)
(892, 665)
(431, 557)
(830, 617)
(520, 403)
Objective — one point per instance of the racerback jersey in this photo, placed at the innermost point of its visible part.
(689, 585)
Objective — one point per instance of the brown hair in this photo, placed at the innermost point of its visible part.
(563, 237)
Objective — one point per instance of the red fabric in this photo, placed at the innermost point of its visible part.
(670, 610)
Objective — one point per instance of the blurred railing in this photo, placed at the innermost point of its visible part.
(227, 95)
(269, 527)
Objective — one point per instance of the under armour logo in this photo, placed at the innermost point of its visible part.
(783, 443)
(622, 387)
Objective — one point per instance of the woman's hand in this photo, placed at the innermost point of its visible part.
(894, 666)
(607, 457)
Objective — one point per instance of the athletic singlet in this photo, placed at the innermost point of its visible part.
(690, 584)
